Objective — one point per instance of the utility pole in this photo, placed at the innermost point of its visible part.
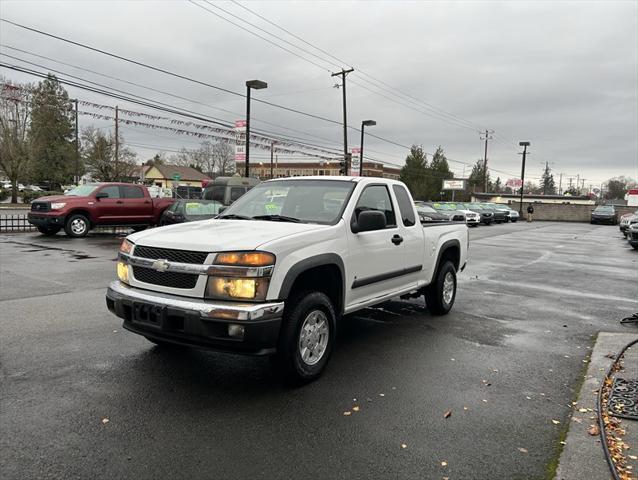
(560, 184)
(520, 205)
(272, 152)
(487, 137)
(117, 143)
(343, 74)
(77, 146)
(578, 183)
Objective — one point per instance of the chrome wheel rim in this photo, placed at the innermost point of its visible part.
(313, 337)
(448, 288)
(78, 226)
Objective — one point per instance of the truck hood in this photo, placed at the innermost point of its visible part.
(59, 198)
(219, 235)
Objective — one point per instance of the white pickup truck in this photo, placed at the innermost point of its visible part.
(273, 274)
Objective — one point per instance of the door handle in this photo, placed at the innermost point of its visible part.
(119, 201)
(397, 239)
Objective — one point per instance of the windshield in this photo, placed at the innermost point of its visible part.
(308, 201)
(425, 208)
(443, 206)
(604, 209)
(82, 190)
(202, 207)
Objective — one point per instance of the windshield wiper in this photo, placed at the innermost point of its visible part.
(234, 216)
(277, 218)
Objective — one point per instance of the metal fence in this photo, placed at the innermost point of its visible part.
(18, 223)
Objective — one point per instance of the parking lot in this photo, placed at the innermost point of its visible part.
(82, 398)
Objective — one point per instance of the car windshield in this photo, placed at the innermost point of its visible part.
(443, 206)
(307, 201)
(425, 208)
(82, 190)
(604, 209)
(202, 208)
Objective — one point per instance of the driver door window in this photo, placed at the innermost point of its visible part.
(377, 197)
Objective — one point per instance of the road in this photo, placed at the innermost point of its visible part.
(507, 362)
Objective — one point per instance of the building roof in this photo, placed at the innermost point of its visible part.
(530, 195)
(185, 173)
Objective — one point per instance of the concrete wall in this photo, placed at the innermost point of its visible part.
(565, 213)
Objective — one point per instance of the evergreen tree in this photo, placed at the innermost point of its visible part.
(52, 133)
(438, 170)
(476, 181)
(548, 185)
(497, 185)
(415, 171)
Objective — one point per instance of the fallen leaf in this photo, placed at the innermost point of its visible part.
(610, 355)
(485, 400)
(577, 420)
(403, 445)
(563, 443)
(582, 410)
(105, 420)
(593, 430)
(382, 394)
(633, 457)
(465, 408)
(355, 408)
(523, 450)
(347, 413)
(447, 414)
(555, 422)
(444, 463)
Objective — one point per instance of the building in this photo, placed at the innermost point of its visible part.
(168, 176)
(508, 198)
(281, 169)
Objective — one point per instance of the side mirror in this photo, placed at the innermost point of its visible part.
(368, 221)
(101, 195)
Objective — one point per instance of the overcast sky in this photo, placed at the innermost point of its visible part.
(562, 75)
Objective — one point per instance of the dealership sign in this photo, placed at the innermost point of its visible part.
(355, 163)
(514, 183)
(453, 184)
(240, 144)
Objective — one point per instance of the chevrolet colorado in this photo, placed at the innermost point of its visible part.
(274, 278)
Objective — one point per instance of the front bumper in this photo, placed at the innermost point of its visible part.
(45, 220)
(196, 322)
(609, 220)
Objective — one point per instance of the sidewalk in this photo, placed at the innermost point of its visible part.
(583, 455)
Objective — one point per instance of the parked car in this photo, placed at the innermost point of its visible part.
(628, 221)
(226, 190)
(428, 214)
(472, 219)
(487, 215)
(632, 235)
(97, 204)
(454, 215)
(500, 213)
(512, 214)
(624, 221)
(604, 214)
(190, 211)
(278, 284)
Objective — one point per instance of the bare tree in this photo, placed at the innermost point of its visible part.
(98, 151)
(224, 159)
(15, 113)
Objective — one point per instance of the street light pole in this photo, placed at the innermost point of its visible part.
(257, 85)
(365, 123)
(520, 206)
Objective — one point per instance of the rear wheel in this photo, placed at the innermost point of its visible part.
(49, 230)
(77, 226)
(306, 338)
(441, 293)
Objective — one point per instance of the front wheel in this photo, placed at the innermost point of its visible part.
(49, 231)
(306, 338)
(77, 226)
(440, 294)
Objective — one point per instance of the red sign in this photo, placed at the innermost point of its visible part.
(240, 123)
(514, 183)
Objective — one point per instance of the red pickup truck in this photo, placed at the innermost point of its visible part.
(97, 204)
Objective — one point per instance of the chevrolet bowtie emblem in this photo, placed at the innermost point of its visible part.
(160, 265)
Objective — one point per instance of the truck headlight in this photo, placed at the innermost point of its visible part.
(226, 288)
(122, 272)
(126, 246)
(58, 206)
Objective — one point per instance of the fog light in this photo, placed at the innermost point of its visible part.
(236, 331)
(122, 272)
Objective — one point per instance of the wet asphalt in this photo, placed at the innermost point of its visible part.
(83, 398)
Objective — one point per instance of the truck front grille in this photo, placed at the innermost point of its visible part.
(165, 279)
(40, 207)
(181, 256)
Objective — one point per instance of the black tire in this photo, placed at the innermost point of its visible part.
(288, 359)
(434, 293)
(635, 247)
(514, 220)
(73, 226)
(49, 231)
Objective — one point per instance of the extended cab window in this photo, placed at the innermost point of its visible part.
(113, 191)
(236, 192)
(131, 192)
(377, 197)
(405, 205)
